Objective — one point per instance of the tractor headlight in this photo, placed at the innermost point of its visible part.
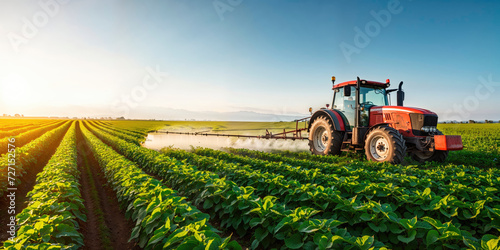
(429, 129)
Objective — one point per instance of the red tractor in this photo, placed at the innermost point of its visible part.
(361, 118)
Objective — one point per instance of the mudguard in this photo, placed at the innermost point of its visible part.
(338, 119)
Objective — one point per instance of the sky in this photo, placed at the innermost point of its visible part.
(115, 58)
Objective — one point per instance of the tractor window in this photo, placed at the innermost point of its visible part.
(373, 96)
(338, 103)
(346, 104)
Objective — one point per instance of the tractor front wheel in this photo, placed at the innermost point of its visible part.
(385, 144)
(323, 138)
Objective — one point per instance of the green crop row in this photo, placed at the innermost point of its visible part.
(16, 130)
(466, 175)
(162, 218)
(27, 136)
(139, 135)
(122, 135)
(461, 183)
(51, 219)
(475, 216)
(27, 156)
(141, 127)
(369, 183)
(439, 233)
(367, 218)
(266, 221)
(437, 199)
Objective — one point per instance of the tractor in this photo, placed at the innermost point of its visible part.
(361, 118)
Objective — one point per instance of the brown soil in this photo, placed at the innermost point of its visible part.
(106, 225)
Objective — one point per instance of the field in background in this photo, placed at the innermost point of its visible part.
(91, 183)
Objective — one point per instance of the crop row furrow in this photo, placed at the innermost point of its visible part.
(162, 218)
(268, 222)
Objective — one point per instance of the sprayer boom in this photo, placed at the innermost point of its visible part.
(295, 134)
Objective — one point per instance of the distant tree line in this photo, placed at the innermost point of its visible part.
(470, 121)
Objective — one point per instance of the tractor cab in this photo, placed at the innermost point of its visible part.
(370, 94)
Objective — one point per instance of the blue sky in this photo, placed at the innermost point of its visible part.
(93, 58)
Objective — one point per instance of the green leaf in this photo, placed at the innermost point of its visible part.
(408, 239)
(39, 225)
(470, 243)
(154, 216)
(426, 192)
(432, 236)
(490, 242)
(66, 231)
(135, 233)
(283, 222)
(382, 227)
(366, 217)
(256, 221)
(364, 242)
(156, 238)
(294, 241)
(260, 234)
(325, 242)
(395, 229)
(308, 227)
(207, 204)
(233, 245)
(374, 227)
(255, 244)
(167, 224)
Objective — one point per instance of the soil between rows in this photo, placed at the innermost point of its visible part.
(215, 222)
(101, 204)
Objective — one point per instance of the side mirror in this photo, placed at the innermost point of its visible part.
(347, 90)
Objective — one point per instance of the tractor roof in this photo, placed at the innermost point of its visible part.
(363, 83)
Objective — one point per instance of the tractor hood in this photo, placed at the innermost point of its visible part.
(392, 109)
(409, 121)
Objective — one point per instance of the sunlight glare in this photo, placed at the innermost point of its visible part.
(16, 91)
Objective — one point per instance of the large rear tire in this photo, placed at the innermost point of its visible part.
(385, 144)
(323, 138)
(436, 155)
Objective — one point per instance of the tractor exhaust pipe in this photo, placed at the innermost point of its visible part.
(400, 94)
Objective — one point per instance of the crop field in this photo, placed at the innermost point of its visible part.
(91, 184)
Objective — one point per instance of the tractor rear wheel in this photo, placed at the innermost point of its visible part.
(385, 144)
(436, 155)
(323, 138)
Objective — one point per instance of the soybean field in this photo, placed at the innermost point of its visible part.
(91, 184)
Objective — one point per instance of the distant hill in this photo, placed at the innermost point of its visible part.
(158, 113)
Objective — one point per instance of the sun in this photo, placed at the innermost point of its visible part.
(16, 91)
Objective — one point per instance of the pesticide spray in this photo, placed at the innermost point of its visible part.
(158, 141)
